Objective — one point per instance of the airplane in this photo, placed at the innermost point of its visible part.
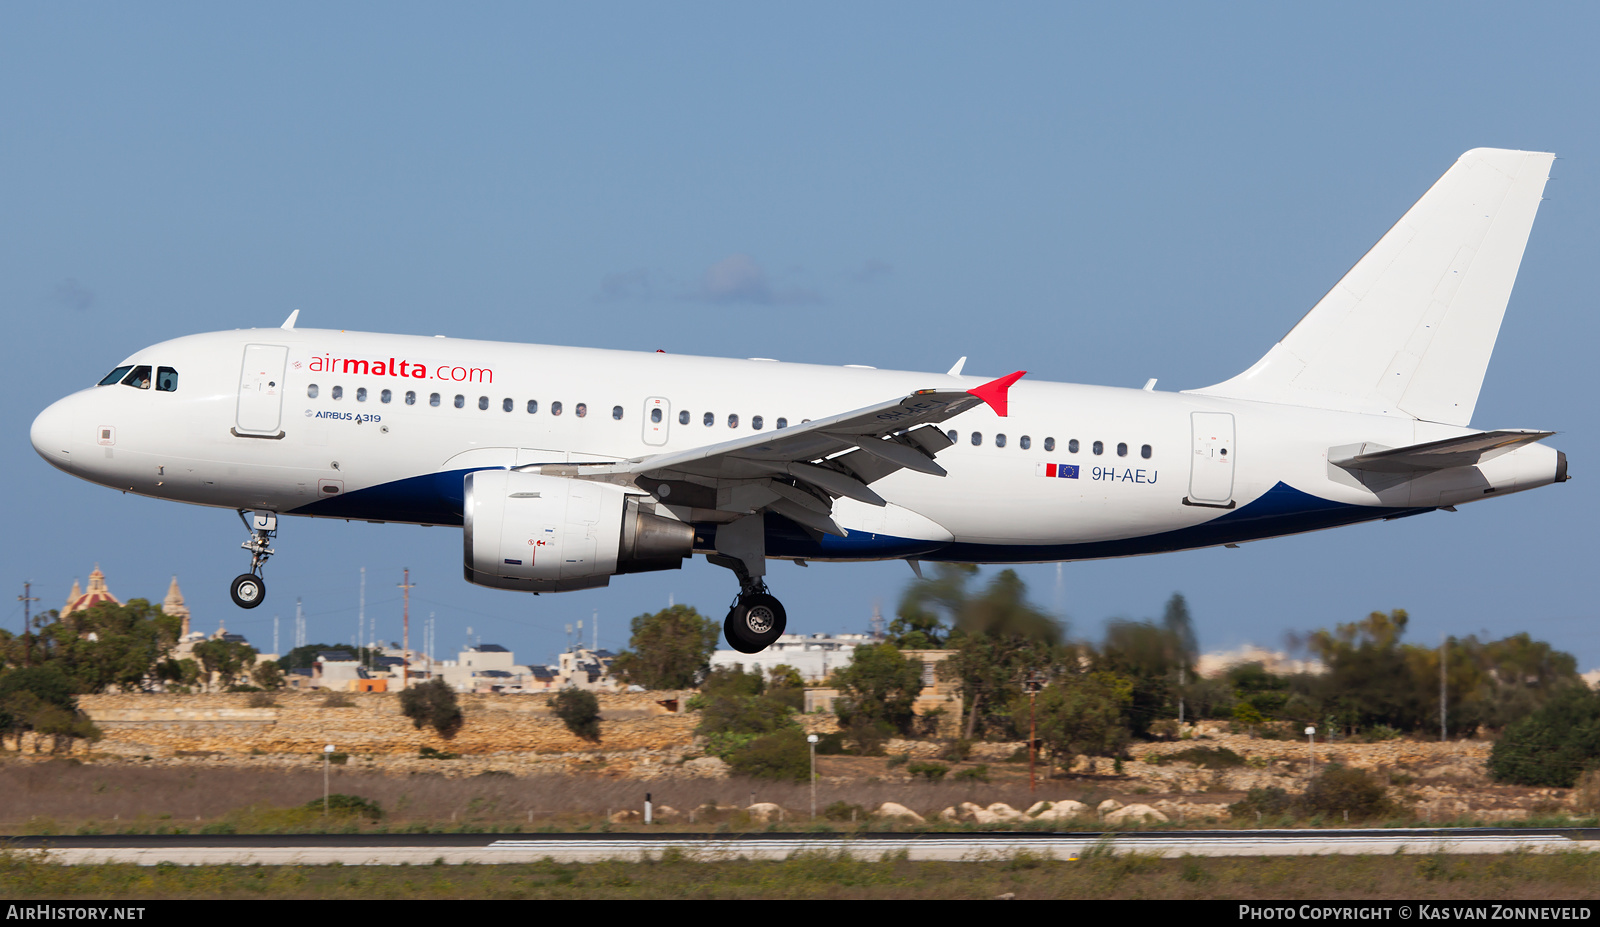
(565, 466)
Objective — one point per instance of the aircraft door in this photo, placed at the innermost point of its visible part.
(1211, 467)
(261, 390)
(657, 419)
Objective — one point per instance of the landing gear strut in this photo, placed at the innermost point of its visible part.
(756, 618)
(248, 589)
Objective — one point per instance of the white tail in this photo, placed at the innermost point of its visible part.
(1410, 328)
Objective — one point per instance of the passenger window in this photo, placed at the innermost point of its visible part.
(709, 419)
(733, 421)
(977, 438)
(1099, 447)
(483, 403)
(755, 422)
(311, 391)
(1025, 441)
(166, 380)
(533, 406)
(411, 397)
(338, 392)
(461, 401)
(555, 408)
(683, 417)
(433, 400)
(114, 376)
(506, 405)
(1049, 444)
(655, 415)
(1072, 446)
(1122, 449)
(1145, 452)
(999, 440)
(385, 396)
(361, 394)
(139, 378)
(783, 422)
(581, 409)
(616, 413)
(951, 434)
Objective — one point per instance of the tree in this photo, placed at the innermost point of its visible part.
(433, 703)
(782, 754)
(737, 708)
(931, 606)
(877, 691)
(579, 710)
(108, 646)
(225, 659)
(670, 649)
(39, 699)
(1078, 714)
(1552, 746)
(1000, 641)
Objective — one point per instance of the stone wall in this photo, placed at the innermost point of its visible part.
(297, 723)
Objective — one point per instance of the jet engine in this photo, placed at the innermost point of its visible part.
(539, 533)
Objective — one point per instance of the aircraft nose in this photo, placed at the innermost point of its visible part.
(52, 435)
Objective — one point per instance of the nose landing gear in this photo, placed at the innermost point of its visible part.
(248, 589)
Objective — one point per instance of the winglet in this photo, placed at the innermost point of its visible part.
(994, 392)
(289, 322)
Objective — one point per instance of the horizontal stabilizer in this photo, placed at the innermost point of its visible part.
(1463, 451)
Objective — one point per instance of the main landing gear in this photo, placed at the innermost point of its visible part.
(757, 617)
(249, 589)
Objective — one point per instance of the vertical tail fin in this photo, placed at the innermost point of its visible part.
(1410, 328)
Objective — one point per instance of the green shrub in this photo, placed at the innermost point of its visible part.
(933, 772)
(429, 753)
(1554, 745)
(1339, 789)
(831, 744)
(1269, 802)
(978, 773)
(432, 703)
(579, 710)
(958, 751)
(350, 806)
(781, 755)
(1208, 757)
(844, 811)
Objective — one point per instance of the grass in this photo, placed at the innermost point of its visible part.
(89, 798)
(26, 875)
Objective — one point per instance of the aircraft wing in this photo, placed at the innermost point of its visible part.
(798, 471)
(1463, 451)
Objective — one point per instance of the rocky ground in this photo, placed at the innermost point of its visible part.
(644, 740)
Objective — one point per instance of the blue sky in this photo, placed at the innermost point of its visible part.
(1094, 194)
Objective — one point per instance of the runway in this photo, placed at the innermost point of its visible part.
(457, 849)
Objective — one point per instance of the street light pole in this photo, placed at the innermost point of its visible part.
(811, 741)
(327, 756)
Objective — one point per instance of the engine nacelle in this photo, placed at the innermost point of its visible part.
(552, 534)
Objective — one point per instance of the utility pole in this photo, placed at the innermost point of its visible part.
(1444, 649)
(27, 599)
(405, 634)
(361, 613)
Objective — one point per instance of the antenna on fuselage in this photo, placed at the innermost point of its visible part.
(288, 324)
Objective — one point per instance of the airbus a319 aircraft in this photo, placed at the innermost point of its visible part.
(565, 466)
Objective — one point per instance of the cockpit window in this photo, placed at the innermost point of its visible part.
(166, 380)
(139, 378)
(115, 376)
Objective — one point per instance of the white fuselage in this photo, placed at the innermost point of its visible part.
(351, 429)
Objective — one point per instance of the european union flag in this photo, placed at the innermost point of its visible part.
(1067, 471)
